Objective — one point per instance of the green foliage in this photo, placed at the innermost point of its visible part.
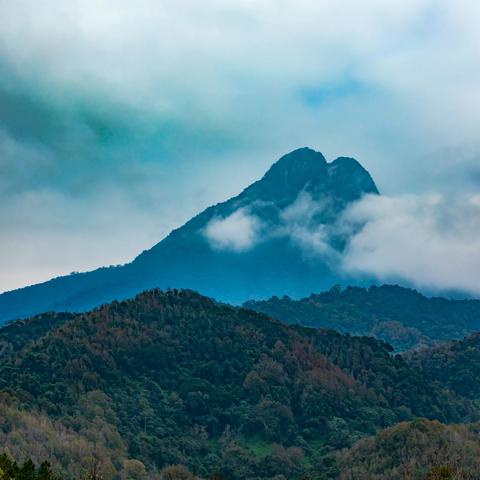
(399, 316)
(176, 379)
(443, 472)
(176, 472)
(418, 450)
(455, 363)
(10, 470)
(15, 335)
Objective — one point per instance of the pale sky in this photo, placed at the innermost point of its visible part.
(119, 120)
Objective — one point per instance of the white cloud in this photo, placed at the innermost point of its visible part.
(301, 211)
(238, 232)
(299, 224)
(243, 230)
(430, 241)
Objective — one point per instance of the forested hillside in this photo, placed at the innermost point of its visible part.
(418, 450)
(175, 378)
(11, 470)
(400, 316)
(455, 363)
(16, 335)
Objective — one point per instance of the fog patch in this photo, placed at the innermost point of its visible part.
(238, 232)
(430, 241)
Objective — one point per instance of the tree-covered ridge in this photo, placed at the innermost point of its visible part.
(175, 378)
(400, 316)
(15, 335)
(455, 363)
(418, 450)
(28, 432)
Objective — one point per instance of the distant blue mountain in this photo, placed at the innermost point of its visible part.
(255, 245)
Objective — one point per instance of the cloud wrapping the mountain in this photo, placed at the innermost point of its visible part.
(242, 230)
(238, 232)
(430, 241)
(298, 224)
(142, 105)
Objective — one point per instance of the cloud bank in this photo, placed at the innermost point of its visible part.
(432, 242)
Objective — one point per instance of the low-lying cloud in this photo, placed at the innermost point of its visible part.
(238, 232)
(243, 230)
(298, 223)
(429, 241)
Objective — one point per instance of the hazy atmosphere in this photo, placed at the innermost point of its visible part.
(121, 120)
(240, 240)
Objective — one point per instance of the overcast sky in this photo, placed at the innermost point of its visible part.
(119, 120)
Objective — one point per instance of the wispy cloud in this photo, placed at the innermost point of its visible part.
(237, 232)
(299, 224)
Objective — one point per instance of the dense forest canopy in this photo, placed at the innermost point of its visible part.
(174, 378)
(418, 450)
(455, 363)
(400, 316)
(11, 470)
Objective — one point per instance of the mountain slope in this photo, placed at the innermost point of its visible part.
(455, 363)
(400, 316)
(15, 335)
(419, 450)
(249, 246)
(174, 377)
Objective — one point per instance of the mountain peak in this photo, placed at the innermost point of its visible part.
(203, 254)
(289, 175)
(351, 178)
(305, 169)
(347, 162)
(295, 167)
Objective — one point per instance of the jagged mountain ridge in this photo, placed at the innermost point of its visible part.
(187, 259)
